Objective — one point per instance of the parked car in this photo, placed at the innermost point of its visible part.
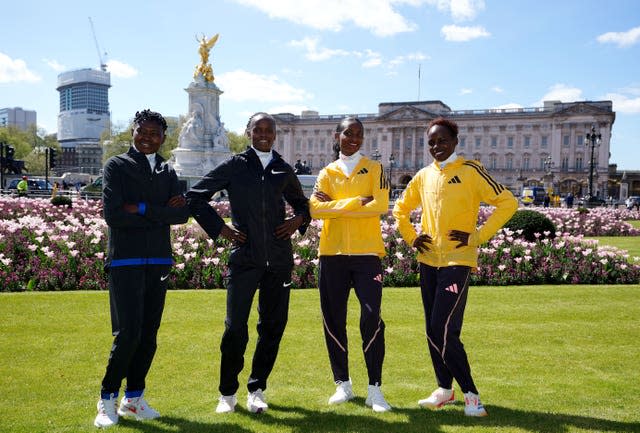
(633, 201)
(593, 201)
(95, 186)
(34, 184)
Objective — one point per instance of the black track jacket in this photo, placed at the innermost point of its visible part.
(140, 239)
(257, 198)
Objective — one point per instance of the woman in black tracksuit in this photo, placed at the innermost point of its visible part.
(141, 198)
(258, 181)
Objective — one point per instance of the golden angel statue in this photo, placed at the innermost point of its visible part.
(204, 68)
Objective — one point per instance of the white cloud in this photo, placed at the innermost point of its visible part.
(461, 10)
(417, 56)
(509, 106)
(315, 53)
(466, 91)
(561, 92)
(377, 16)
(15, 70)
(497, 89)
(53, 64)
(373, 59)
(243, 86)
(622, 39)
(623, 103)
(463, 34)
(412, 57)
(121, 70)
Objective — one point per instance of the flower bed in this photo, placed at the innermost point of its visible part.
(46, 247)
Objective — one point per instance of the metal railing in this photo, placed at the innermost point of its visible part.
(38, 193)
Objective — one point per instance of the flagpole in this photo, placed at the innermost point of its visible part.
(419, 65)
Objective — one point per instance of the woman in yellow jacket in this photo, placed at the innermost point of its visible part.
(450, 191)
(350, 195)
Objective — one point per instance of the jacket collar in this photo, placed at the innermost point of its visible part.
(140, 157)
(251, 155)
(334, 167)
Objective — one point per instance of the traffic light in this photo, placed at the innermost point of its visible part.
(52, 157)
(10, 152)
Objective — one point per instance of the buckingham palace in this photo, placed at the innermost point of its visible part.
(546, 146)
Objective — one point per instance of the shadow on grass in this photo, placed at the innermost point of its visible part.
(303, 420)
(183, 425)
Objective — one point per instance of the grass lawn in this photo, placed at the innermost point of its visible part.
(629, 243)
(553, 359)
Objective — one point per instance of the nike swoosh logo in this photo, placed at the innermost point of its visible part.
(158, 171)
(164, 277)
(286, 284)
(277, 172)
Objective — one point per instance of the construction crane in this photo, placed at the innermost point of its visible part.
(103, 65)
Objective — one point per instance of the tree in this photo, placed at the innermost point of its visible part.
(29, 145)
(173, 132)
(237, 143)
(115, 141)
(19, 139)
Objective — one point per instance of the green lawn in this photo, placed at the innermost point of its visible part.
(629, 243)
(553, 359)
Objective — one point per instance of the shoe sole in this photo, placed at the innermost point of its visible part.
(104, 426)
(225, 411)
(341, 401)
(435, 406)
(254, 409)
(135, 415)
(478, 414)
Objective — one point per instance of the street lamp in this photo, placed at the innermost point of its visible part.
(392, 161)
(592, 140)
(548, 164)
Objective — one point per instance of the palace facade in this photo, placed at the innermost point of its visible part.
(543, 146)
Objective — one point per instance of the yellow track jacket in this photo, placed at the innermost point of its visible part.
(450, 200)
(350, 228)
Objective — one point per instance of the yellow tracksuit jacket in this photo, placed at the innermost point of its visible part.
(350, 228)
(450, 200)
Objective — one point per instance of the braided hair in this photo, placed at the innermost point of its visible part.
(152, 116)
(341, 127)
(253, 118)
(447, 123)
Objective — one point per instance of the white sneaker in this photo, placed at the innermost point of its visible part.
(227, 404)
(138, 408)
(343, 393)
(473, 406)
(438, 398)
(376, 400)
(107, 415)
(256, 402)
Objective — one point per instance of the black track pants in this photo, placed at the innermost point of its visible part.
(273, 308)
(136, 295)
(337, 275)
(444, 297)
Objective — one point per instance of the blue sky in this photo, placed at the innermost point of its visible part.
(332, 56)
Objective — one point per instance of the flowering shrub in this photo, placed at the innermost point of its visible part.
(47, 247)
(601, 221)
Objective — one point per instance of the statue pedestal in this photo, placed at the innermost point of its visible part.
(203, 142)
